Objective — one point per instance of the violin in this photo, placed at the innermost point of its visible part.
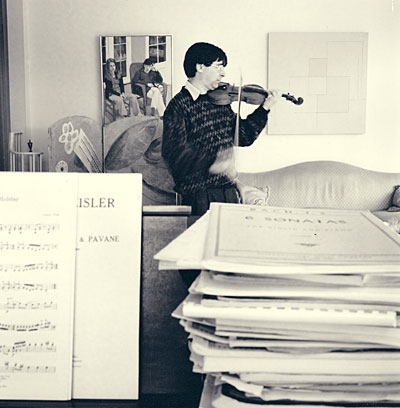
(225, 94)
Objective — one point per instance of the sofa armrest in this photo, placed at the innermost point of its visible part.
(390, 218)
(252, 195)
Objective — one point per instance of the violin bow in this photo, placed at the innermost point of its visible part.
(236, 137)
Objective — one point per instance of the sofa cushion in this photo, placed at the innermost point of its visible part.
(326, 184)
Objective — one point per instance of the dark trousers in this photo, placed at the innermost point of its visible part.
(200, 200)
(200, 203)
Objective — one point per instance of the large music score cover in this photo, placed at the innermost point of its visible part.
(106, 336)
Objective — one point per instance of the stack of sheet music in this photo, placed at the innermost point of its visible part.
(292, 307)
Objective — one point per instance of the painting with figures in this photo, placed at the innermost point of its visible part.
(136, 75)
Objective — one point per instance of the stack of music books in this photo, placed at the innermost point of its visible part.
(293, 307)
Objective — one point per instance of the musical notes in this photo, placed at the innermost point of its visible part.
(8, 367)
(42, 325)
(29, 267)
(22, 246)
(29, 287)
(27, 347)
(37, 265)
(35, 228)
(32, 305)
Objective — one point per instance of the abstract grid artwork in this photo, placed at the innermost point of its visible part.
(329, 71)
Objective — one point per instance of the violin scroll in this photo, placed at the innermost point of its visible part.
(291, 98)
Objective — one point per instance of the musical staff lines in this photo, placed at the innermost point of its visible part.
(42, 325)
(29, 267)
(35, 228)
(11, 304)
(26, 287)
(8, 367)
(38, 233)
(22, 246)
(27, 347)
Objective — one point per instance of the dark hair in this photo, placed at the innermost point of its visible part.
(202, 53)
(107, 70)
(109, 60)
(149, 61)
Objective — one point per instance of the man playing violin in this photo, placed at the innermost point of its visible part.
(198, 135)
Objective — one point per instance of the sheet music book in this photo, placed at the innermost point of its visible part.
(70, 248)
(277, 379)
(288, 346)
(332, 393)
(237, 395)
(206, 285)
(193, 307)
(279, 240)
(37, 264)
(213, 357)
(106, 345)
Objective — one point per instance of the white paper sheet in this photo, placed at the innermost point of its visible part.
(106, 341)
(185, 251)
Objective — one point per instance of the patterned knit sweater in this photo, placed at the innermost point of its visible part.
(194, 132)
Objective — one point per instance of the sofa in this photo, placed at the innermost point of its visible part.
(326, 184)
(134, 145)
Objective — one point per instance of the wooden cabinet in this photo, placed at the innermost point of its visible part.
(164, 356)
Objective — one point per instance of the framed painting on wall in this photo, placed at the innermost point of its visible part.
(136, 75)
(329, 71)
(126, 63)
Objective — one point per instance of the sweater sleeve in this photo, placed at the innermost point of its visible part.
(251, 127)
(109, 89)
(181, 156)
(137, 77)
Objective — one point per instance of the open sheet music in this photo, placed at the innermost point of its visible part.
(37, 268)
(70, 247)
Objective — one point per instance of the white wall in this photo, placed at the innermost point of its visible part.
(59, 41)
